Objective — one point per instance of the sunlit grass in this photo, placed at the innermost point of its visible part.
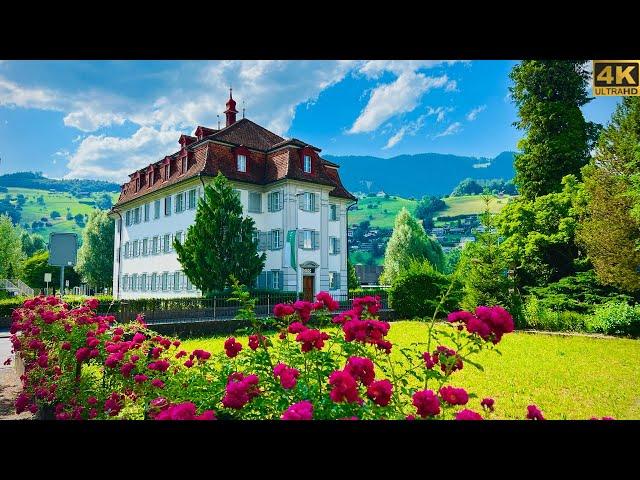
(567, 377)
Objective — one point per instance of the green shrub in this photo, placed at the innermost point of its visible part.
(418, 290)
(579, 293)
(538, 316)
(617, 318)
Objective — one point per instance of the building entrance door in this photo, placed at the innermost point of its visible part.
(307, 287)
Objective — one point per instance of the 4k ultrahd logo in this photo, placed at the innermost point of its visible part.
(616, 77)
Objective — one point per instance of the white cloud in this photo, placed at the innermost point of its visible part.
(113, 158)
(14, 95)
(450, 130)
(452, 86)
(401, 96)
(473, 114)
(439, 112)
(375, 68)
(410, 128)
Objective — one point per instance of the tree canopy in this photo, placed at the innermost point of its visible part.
(11, 254)
(409, 241)
(95, 256)
(220, 242)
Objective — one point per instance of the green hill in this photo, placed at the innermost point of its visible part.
(381, 212)
(37, 204)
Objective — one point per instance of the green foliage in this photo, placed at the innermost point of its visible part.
(580, 293)
(95, 257)
(37, 180)
(484, 270)
(220, 242)
(32, 243)
(539, 235)
(11, 255)
(55, 214)
(451, 260)
(427, 208)
(617, 318)
(549, 95)
(409, 241)
(418, 290)
(610, 225)
(36, 266)
(539, 316)
(468, 186)
(352, 277)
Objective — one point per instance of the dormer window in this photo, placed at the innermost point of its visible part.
(242, 163)
(184, 165)
(167, 171)
(307, 164)
(150, 178)
(137, 183)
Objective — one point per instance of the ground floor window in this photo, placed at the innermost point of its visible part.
(334, 280)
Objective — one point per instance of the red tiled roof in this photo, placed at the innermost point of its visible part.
(207, 159)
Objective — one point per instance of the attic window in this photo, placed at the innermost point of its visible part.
(137, 183)
(167, 171)
(184, 165)
(307, 164)
(150, 178)
(242, 163)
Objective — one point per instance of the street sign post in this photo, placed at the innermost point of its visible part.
(63, 252)
(47, 279)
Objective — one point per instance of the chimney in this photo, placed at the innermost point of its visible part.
(231, 111)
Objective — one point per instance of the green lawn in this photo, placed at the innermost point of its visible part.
(471, 204)
(381, 212)
(567, 377)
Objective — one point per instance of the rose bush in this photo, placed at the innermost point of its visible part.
(80, 365)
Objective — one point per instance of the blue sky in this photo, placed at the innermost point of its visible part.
(103, 119)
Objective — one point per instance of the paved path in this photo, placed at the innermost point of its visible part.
(9, 383)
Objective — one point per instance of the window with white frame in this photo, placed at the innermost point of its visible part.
(276, 201)
(178, 237)
(276, 279)
(334, 280)
(255, 202)
(179, 203)
(334, 245)
(127, 218)
(135, 250)
(136, 215)
(155, 245)
(192, 199)
(242, 163)
(167, 205)
(143, 282)
(145, 247)
(154, 280)
(176, 280)
(276, 239)
(307, 163)
(125, 282)
(134, 282)
(146, 212)
(126, 250)
(166, 244)
(307, 241)
(308, 202)
(156, 209)
(333, 212)
(165, 281)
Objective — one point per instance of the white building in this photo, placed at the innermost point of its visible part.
(284, 185)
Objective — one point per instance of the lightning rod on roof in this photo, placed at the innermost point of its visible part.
(242, 108)
(218, 121)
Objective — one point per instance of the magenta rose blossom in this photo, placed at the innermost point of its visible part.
(380, 392)
(468, 415)
(427, 403)
(360, 368)
(288, 376)
(534, 413)
(231, 347)
(344, 387)
(299, 411)
(454, 396)
(487, 403)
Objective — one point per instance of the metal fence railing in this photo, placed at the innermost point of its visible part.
(211, 309)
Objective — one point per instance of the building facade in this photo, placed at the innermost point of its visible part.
(283, 184)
